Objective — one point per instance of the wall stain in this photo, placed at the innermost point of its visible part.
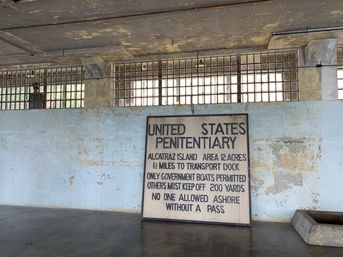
(71, 180)
(56, 17)
(95, 162)
(91, 162)
(6, 4)
(283, 182)
(284, 160)
(256, 185)
(288, 154)
(35, 11)
(82, 34)
(315, 198)
(89, 34)
(295, 154)
(336, 13)
(104, 176)
(259, 164)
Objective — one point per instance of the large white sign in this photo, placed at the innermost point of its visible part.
(197, 169)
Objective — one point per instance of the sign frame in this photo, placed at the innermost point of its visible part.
(249, 224)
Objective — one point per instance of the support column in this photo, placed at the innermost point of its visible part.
(318, 71)
(98, 84)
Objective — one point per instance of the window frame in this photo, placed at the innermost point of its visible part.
(58, 87)
(340, 72)
(124, 94)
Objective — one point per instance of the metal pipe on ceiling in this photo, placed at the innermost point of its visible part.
(307, 30)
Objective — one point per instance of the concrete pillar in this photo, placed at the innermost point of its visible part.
(318, 73)
(98, 84)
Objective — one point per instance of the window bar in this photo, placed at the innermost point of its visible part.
(116, 85)
(197, 78)
(268, 73)
(5, 90)
(1, 90)
(9, 75)
(70, 89)
(277, 81)
(179, 82)
(275, 76)
(125, 81)
(19, 85)
(239, 80)
(215, 76)
(8, 100)
(54, 88)
(73, 85)
(284, 77)
(233, 70)
(8, 92)
(13, 91)
(174, 82)
(44, 85)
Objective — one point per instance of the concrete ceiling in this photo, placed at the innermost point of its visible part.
(62, 31)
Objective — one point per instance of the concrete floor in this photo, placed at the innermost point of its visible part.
(40, 232)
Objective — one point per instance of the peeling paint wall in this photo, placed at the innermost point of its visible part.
(93, 159)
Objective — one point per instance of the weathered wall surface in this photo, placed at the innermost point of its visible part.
(93, 159)
(66, 30)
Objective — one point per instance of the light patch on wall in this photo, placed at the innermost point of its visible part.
(336, 13)
(271, 26)
(295, 154)
(290, 154)
(258, 40)
(56, 17)
(256, 184)
(120, 30)
(36, 11)
(89, 162)
(258, 161)
(279, 164)
(92, 33)
(8, 4)
(284, 181)
(82, 34)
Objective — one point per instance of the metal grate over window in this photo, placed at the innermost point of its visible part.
(340, 72)
(50, 88)
(258, 77)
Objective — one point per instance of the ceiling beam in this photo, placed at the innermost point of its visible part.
(20, 43)
(138, 14)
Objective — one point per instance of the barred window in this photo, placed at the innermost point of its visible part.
(50, 88)
(340, 72)
(258, 77)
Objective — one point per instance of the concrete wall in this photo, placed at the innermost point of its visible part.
(93, 159)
